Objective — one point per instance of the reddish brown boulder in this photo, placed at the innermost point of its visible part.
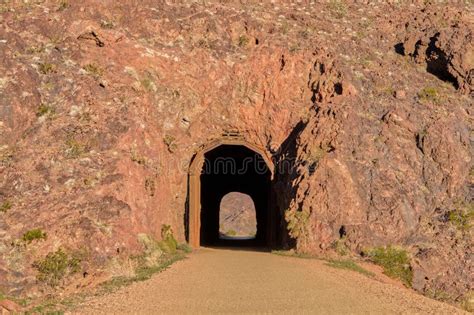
(444, 42)
(9, 307)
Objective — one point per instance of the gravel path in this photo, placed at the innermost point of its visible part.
(230, 281)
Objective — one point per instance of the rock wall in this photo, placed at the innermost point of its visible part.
(103, 105)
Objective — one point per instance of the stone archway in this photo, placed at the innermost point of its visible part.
(194, 188)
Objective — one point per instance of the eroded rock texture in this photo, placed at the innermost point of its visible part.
(104, 103)
(443, 40)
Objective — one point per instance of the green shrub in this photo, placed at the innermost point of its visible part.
(74, 148)
(93, 70)
(243, 41)
(5, 206)
(136, 157)
(148, 84)
(338, 8)
(428, 94)
(349, 265)
(297, 222)
(148, 243)
(55, 266)
(145, 272)
(467, 302)
(395, 262)
(316, 154)
(45, 109)
(6, 157)
(46, 68)
(184, 247)
(340, 247)
(63, 5)
(168, 244)
(34, 234)
(463, 216)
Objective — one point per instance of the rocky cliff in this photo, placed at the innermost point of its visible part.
(367, 105)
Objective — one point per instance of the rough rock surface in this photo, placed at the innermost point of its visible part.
(237, 216)
(104, 103)
(444, 41)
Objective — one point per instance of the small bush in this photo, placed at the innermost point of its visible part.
(93, 70)
(395, 262)
(56, 266)
(340, 247)
(463, 216)
(106, 24)
(34, 234)
(6, 157)
(349, 265)
(5, 206)
(468, 301)
(136, 157)
(168, 244)
(243, 41)
(63, 5)
(45, 109)
(338, 8)
(316, 154)
(46, 68)
(148, 84)
(147, 267)
(428, 94)
(297, 222)
(74, 148)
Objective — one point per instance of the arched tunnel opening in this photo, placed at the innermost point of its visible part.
(223, 170)
(234, 168)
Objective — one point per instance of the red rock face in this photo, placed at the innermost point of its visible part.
(103, 105)
(237, 216)
(443, 41)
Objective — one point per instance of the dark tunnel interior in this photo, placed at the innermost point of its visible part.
(234, 168)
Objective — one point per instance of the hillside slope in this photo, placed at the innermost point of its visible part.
(366, 110)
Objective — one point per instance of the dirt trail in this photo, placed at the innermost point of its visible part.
(226, 281)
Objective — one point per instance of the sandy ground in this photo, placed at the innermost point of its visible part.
(230, 281)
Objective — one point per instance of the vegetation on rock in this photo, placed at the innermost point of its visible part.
(5, 206)
(168, 243)
(45, 109)
(395, 262)
(463, 216)
(34, 234)
(56, 266)
(297, 223)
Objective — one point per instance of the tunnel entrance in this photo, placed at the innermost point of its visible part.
(230, 166)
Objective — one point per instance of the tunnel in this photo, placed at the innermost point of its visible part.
(230, 168)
